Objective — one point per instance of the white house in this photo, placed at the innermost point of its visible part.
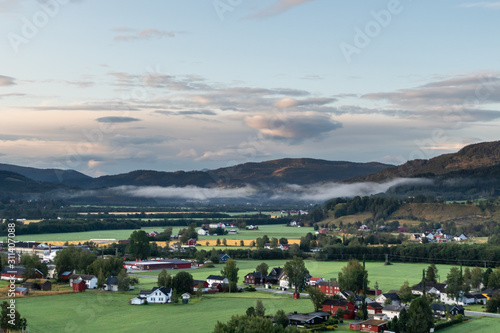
(461, 237)
(463, 299)
(138, 300)
(284, 284)
(215, 279)
(392, 311)
(157, 295)
(111, 283)
(383, 298)
(216, 225)
(203, 232)
(90, 280)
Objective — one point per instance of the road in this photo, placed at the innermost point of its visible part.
(276, 291)
(486, 314)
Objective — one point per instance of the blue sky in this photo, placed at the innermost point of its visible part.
(106, 87)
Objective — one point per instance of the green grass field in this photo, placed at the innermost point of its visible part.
(482, 325)
(388, 277)
(110, 312)
(277, 231)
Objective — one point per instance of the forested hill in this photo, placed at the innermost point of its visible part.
(477, 160)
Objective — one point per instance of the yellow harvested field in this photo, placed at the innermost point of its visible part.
(30, 221)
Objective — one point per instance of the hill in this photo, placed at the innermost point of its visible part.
(476, 160)
(299, 171)
(15, 184)
(56, 176)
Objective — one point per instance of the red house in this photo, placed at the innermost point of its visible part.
(191, 242)
(253, 278)
(370, 325)
(374, 308)
(65, 276)
(79, 285)
(328, 287)
(333, 305)
(17, 273)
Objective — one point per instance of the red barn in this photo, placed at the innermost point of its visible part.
(370, 325)
(333, 305)
(79, 285)
(328, 287)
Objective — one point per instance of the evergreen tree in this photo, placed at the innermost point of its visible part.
(420, 317)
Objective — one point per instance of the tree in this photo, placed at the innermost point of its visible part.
(10, 319)
(467, 278)
(403, 320)
(224, 242)
(263, 269)
(420, 318)
(281, 319)
(250, 311)
(283, 241)
(317, 297)
(182, 283)
(253, 324)
(101, 279)
(405, 293)
(163, 279)
(218, 242)
(454, 282)
(476, 277)
(296, 273)
(138, 246)
(73, 258)
(123, 281)
(242, 243)
(32, 263)
(260, 310)
(230, 271)
(494, 279)
(352, 275)
(431, 274)
(486, 276)
(493, 304)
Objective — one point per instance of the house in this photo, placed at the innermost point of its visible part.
(224, 257)
(346, 294)
(456, 309)
(392, 311)
(334, 305)
(384, 299)
(328, 287)
(253, 278)
(111, 283)
(439, 310)
(157, 295)
(293, 223)
(185, 298)
(21, 291)
(364, 227)
(138, 300)
(312, 318)
(480, 298)
(78, 285)
(461, 237)
(276, 273)
(374, 308)
(252, 227)
(65, 275)
(17, 273)
(232, 232)
(314, 280)
(430, 288)
(191, 242)
(217, 287)
(90, 280)
(36, 284)
(200, 283)
(402, 229)
(370, 325)
(216, 225)
(216, 279)
(203, 232)
(323, 231)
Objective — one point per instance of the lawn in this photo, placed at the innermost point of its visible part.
(110, 312)
(388, 277)
(277, 231)
(482, 325)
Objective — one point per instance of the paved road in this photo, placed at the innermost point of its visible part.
(486, 314)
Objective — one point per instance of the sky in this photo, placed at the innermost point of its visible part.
(107, 87)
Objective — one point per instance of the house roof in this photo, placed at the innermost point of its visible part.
(336, 302)
(392, 296)
(306, 316)
(276, 271)
(481, 296)
(375, 305)
(82, 276)
(315, 279)
(16, 270)
(256, 275)
(396, 308)
(438, 307)
(215, 277)
(21, 289)
(164, 290)
(373, 322)
(328, 283)
(112, 280)
(198, 282)
(429, 285)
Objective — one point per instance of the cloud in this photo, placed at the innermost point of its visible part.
(328, 191)
(187, 192)
(146, 34)
(117, 119)
(295, 127)
(279, 7)
(102, 106)
(7, 81)
(493, 5)
(187, 112)
(288, 102)
(11, 95)
(123, 140)
(81, 84)
(312, 77)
